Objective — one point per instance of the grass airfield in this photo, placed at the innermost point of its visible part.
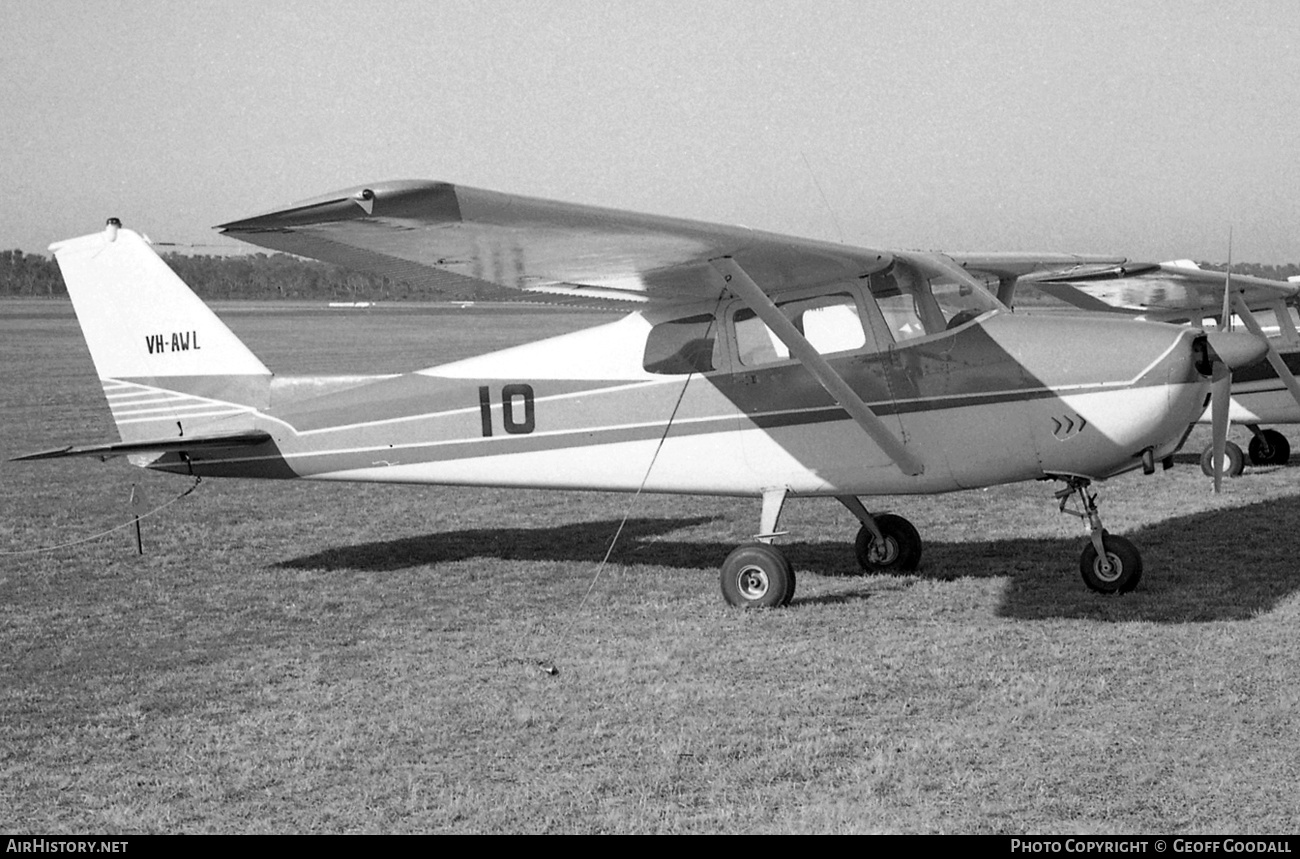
(314, 657)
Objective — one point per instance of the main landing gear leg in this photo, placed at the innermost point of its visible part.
(757, 575)
(1110, 564)
(885, 543)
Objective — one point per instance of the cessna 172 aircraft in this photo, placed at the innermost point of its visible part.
(1182, 292)
(754, 364)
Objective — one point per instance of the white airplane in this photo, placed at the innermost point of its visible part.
(753, 365)
(1182, 292)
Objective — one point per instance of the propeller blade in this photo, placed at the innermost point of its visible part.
(1220, 397)
(1226, 323)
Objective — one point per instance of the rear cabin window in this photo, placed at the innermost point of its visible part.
(681, 346)
(829, 322)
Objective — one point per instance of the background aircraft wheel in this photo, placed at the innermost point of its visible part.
(899, 553)
(1270, 447)
(1234, 461)
(1125, 566)
(757, 576)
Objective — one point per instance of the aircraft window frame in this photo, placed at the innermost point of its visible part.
(927, 310)
(867, 324)
(676, 355)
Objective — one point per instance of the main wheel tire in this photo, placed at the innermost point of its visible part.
(1125, 566)
(1270, 447)
(757, 576)
(899, 553)
(1234, 461)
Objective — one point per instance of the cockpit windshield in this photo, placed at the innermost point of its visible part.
(915, 304)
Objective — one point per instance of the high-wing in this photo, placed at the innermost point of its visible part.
(433, 232)
(439, 234)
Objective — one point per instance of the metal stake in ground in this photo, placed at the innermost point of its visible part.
(137, 506)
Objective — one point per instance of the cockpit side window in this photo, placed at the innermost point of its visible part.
(831, 323)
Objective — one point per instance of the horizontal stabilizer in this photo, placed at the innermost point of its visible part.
(168, 445)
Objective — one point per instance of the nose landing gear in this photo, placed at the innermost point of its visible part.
(1110, 564)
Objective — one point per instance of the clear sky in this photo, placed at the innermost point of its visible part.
(1134, 127)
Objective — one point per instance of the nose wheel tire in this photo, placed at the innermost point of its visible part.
(1234, 461)
(899, 552)
(1270, 447)
(757, 576)
(1119, 573)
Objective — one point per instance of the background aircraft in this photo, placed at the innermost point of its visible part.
(1182, 292)
(754, 365)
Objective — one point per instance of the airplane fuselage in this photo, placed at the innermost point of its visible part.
(999, 400)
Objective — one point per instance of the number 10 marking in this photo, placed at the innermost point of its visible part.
(509, 393)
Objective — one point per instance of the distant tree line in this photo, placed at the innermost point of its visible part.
(276, 276)
(255, 276)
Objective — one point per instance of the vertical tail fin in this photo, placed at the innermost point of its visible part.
(167, 363)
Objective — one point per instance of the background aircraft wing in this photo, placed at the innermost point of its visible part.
(440, 234)
(1006, 265)
(1159, 290)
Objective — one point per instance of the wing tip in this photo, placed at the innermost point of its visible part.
(392, 198)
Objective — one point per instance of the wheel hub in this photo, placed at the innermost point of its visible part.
(884, 551)
(1108, 569)
(753, 583)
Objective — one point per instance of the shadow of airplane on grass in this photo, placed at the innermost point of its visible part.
(578, 541)
(1228, 564)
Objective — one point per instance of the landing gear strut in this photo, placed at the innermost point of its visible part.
(1110, 564)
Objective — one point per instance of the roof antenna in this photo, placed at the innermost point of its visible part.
(839, 229)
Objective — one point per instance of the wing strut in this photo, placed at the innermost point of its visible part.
(1274, 358)
(737, 281)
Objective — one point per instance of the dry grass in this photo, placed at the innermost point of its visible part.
(294, 657)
